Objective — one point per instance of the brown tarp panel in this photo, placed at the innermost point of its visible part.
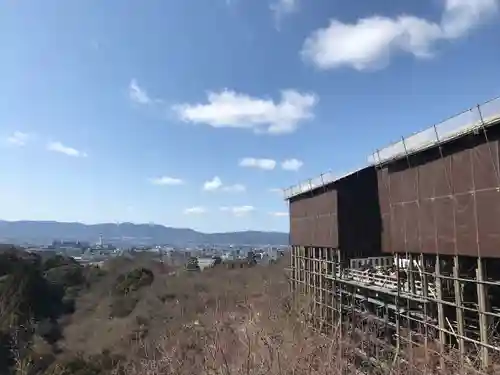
(462, 179)
(412, 232)
(444, 200)
(344, 214)
(313, 219)
(488, 208)
(485, 166)
(386, 232)
(465, 223)
(427, 222)
(382, 182)
(445, 225)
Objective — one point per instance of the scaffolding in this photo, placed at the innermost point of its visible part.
(422, 309)
(419, 304)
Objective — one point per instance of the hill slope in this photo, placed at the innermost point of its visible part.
(128, 233)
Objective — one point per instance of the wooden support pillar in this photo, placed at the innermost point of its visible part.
(425, 292)
(320, 288)
(411, 275)
(334, 295)
(298, 264)
(460, 311)
(396, 299)
(314, 263)
(482, 307)
(441, 321)
(293, 274)
(307, 252)
(339, 301)
(412, 290)
(302, 271)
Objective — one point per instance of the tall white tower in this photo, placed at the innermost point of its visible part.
(100, 240)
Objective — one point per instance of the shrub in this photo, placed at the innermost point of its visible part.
(49, 330)
(100, 364)
(5, 352)
(26, 294)
(59, 261)
(12, 259)
(133, 281)
(74, 366)
(122, 306)
(92, 274)
(67, 275)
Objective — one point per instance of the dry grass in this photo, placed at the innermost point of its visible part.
(166, 306)
(220, 321)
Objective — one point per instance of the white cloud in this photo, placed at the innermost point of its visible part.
(370, 42)
(238, 210)
(213, 184)
(216, 184)
(281, 8)
(18, 138)
(236, 188)
(166, 180)
(195, 210)
(69, 151)
(235, 110)
(266, 164)
(138, 94)
(462, 15)
(276, 190)
(278, 214)
(292, 164)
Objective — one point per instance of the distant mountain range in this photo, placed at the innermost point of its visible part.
(44, 232)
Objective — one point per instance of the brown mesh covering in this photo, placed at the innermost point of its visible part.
(344, 214)
(313, 219)
(444, 200)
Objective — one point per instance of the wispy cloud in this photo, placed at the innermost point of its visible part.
(138, 94)
(266, 164)
(276, 190)
(18, 138)
(369, 42)
(292, 164)
(269, 164)
(216, 184)
(166, 180)
(213, 184)
(236, 188)
(262, 115)
(238, 210)
(66, 150)
(278, 214)
(195, 210)
(281, 8)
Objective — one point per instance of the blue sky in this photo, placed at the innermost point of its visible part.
(189, 113)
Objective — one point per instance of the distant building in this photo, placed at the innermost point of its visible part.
(64, 244)
(206, 263)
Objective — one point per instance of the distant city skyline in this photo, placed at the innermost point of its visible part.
(34, 232)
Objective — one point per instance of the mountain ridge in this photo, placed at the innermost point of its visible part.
(43, 232)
